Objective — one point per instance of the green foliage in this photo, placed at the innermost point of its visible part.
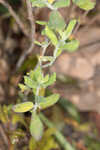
(23, 107)
(52, 4)
(36, 126)
(70, 46)
(47, 101)
(38, 3)
(86, 4)
(61, 3)
(58, 34)
(36, 78)
(7, 116)
(55, 4)
(56, 21)
(51, 35)
(46, 143)
(68, 31)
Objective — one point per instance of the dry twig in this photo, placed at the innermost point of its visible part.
(15, 16)
(32, 33)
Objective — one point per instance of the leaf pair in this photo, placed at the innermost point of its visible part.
(36, 78)
(85, 4)
(55, 25)
(42, 102)
(55, 4)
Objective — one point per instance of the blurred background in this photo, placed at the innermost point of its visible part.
(78, 78)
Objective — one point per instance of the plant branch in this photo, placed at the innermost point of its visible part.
(32, 32)
(15, 16)
(54, 58)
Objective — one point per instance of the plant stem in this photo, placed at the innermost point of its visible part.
(54, 58)
(49, 64)
(58, 135)
(37, 91)
(50, 6)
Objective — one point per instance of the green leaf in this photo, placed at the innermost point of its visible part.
(56, 21)
(36, 127)
(23, 107)
(48, 101)
(41, 22)
(69, 29)
(46, 58)
(29, 82)
(23, 87)
(46, 78)
(51, 80)
(32, 144)
(61, 3)
(38, 3)
(86, 4)
(58, 52)
(37, 43)
(36, 75)
(71, 46)
(51, 35)
(16, 118)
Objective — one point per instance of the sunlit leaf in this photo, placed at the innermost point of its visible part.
(37, 43)
(51, 1)
(46, 58)
(46, 78)
(70, 46)
(23, 87)
(51, 35)
(36, 75)
(23, 107)
(41, 22)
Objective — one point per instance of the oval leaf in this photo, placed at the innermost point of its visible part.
(61, 3)
(85, 4)
(56, 21)
(38, 3)
(36, 127)
(51, 35)
(23, 107)
(71, 46)
(48, 101)
(69, 29)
